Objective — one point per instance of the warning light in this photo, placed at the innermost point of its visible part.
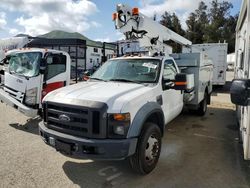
(114, 16)
(135, 11)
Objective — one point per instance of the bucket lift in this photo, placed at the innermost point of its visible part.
(150, 34)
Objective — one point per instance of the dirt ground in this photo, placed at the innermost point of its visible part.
(197, 152)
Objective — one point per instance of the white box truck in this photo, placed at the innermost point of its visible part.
(30, 74)
(217, 52)
(240, 89)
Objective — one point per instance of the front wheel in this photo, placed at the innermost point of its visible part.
(148, 149)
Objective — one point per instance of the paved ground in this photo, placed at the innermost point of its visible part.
(197, 152)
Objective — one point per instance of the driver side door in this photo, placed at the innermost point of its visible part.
(172, 99)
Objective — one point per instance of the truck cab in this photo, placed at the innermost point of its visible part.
(30, 74)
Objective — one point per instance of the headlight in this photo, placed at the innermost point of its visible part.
(31, 96)
(118, 125)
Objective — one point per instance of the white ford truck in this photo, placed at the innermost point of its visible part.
(122, 111)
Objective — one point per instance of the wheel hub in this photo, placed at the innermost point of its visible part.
(152, 149)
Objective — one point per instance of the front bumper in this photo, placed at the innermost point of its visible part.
(103, 149)
(7, 99)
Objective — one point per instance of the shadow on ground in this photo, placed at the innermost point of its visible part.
(31, 126)
(222, 89)
(196, 152)
(100, 173)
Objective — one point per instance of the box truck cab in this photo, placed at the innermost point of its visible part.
(30, 74)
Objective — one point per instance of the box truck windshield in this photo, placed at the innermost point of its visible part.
(24, 64)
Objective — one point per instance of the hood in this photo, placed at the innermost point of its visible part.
(114, 94)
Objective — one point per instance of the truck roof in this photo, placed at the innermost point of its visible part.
(43, 50)
(140, 57)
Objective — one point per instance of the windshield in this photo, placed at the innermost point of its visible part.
(130, 70)
(25, 64)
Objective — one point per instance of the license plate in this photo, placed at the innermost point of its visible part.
(63, 147)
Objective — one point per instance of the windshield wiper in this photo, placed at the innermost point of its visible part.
(13, 72)
(124, 80)
(99, 79)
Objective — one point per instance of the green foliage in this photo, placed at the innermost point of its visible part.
(205, 25)
(172, 22)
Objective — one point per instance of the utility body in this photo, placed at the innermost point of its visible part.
(122, 111)
(217, 52)
(30, 74)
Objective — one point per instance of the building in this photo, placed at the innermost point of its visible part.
(84, 54)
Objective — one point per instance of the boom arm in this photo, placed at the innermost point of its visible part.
(149, 33)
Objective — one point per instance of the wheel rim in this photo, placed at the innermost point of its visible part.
(152, 149)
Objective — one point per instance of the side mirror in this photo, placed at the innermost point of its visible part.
(180, 82)
(240, 92)
(42, 66)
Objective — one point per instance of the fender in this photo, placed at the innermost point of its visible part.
(142, 115)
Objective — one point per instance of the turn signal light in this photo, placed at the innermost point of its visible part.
(122, 117)
(180, 83)
(135, 11)
(114, 16)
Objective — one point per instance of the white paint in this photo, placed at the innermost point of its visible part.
(242, 71)
(19, 84)
(128, 47)
(217, 52)
(94, 58)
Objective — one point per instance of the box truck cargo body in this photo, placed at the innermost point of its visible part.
(217, 52)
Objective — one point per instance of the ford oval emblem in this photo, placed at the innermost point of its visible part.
(64, 118)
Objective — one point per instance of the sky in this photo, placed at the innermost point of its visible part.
(92, 18)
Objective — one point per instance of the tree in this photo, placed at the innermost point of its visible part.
(228, 32)
(205, 25)
(166, 20)
(172, 22)
(197, 23)
(218, 16)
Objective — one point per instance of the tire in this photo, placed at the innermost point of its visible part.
(201, 111)
(148, 149)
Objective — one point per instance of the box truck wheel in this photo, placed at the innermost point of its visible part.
(148, 149)
(203, 105)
